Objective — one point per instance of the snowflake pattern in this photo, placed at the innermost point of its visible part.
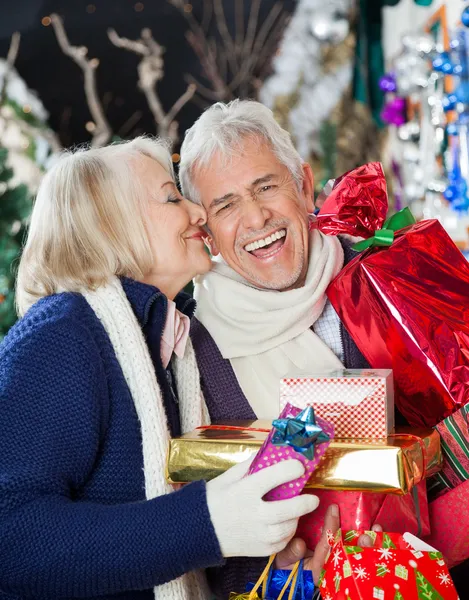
(336, 558)
(385, 553)
(360, 573)
(444, 578)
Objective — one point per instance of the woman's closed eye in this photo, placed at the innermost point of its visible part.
(173, 199)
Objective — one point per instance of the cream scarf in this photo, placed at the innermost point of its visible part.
(115, 313)
(265, 333)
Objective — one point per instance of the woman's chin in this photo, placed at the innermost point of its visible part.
(203, 266)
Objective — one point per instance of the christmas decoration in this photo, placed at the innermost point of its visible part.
(26, 148)
(296, 434)
(393, 569)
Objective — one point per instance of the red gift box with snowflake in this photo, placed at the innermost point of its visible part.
(392, 569)
(358, 402)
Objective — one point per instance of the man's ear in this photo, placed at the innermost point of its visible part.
(308, 187)
(212, 247)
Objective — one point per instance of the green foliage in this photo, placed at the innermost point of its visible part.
(15, 207)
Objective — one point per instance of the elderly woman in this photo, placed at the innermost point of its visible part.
(96, 377)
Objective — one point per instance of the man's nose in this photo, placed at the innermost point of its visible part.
(255, 215)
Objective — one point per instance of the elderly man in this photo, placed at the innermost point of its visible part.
(262, 311)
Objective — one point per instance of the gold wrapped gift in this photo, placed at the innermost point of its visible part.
(393, 464)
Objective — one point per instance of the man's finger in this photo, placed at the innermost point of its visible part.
(377, 528)
(331, 525)
(295, 551)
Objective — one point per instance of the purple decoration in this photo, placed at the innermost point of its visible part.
(394, 112)
(388, 83)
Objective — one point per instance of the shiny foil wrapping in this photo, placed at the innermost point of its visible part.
(391, 465)
(406, 305)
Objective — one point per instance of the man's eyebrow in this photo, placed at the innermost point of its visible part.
(263, 179)
(216, 201)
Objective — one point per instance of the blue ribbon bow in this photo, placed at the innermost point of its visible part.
(300, 432)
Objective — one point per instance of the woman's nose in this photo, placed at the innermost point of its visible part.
(197, 214)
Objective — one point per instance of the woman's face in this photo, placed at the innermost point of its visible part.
(175, 230)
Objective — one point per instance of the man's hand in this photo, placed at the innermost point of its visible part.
(314, 560)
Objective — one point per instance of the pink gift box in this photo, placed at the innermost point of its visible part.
(359, 402)
(270, 454)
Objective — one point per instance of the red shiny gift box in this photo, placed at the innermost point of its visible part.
(404, 300)
(361, 510)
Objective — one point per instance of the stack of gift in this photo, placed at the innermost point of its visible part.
(403, 299)
(366, 455)
(374, 474)
(397, 567)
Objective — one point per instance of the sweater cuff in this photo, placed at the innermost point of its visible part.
(195, 543)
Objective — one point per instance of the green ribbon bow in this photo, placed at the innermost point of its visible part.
(385, 236)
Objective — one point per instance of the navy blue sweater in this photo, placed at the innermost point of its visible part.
(74, 522)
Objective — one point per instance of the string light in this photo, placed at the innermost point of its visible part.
(26, 109)
(46, 21)
(176, 157)
(139, 6)
(188, 8)
(90, 9)
(90, 126)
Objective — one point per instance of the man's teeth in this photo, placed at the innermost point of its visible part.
(266, 241)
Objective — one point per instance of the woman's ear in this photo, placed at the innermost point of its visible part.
(212, 247)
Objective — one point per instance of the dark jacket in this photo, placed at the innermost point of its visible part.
(73, 520)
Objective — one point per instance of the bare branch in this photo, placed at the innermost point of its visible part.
(130, 123)
(225, 34)
(134, 46)
(209, 65)
(10, 63)
(178, 105)
(103, 131)
(207, 15)
(205, 91)
(150, 71)
(266, 54)
(239, 27)
(249, 65)
(13, 50)
(251, 28)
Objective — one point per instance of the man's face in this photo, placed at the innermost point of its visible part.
(257, 216)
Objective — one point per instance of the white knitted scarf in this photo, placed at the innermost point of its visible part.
(266, 334)
(112, 308)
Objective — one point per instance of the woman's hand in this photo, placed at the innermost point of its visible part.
(247, 525)
(314, 560)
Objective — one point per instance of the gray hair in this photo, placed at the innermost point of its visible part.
(222, 128)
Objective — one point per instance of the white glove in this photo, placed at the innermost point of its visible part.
(245, 524)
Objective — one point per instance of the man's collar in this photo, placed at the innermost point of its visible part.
(142, 296)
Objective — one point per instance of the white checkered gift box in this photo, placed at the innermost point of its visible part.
(359, 402)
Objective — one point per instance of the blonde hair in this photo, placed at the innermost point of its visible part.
(88, 222)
